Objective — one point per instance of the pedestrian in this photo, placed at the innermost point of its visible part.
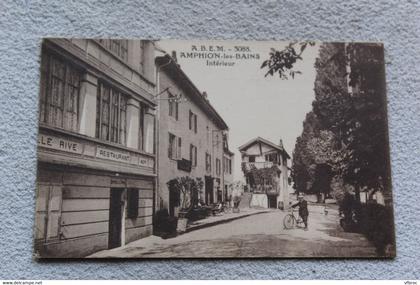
(303, 209)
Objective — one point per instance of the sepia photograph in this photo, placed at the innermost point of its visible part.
(212, 149)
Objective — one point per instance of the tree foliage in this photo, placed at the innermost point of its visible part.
(187, 189)
(282, 62)
(346, 129)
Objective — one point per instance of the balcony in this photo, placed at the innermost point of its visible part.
(264, 189)
(263, 164)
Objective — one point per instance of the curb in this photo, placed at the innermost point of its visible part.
(202, 226)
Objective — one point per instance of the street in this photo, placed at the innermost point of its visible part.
(260, 235)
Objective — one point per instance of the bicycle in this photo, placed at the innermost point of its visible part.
(290, 220)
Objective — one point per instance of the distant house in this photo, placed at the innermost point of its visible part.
(265, 168)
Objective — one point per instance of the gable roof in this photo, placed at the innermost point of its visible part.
(264, 141)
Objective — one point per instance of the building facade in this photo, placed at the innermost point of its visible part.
(228, 165)
(96, 145)
(190, 136)
(266, 172)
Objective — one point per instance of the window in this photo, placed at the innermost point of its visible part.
(174, 147)
(193, 122)
(173, 106)
(193, 155)
(208, 162)
(141, 128)
(118, 47)
(142, 56)
(179, 152)
(251, 158)
(111, 115)
(227, 165)
(171, 146)
(132, 203)
(59, 98)
(218, 169)
(271, 157)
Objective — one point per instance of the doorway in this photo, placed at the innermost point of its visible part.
(208, 181)
(116, 208)
(272, 201)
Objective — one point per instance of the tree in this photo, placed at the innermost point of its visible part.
(282, 62)
(187, 189)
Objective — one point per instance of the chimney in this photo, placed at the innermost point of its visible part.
(174, 56)
(205, 95)
(281, 143)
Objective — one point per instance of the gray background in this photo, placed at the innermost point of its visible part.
(23, 23)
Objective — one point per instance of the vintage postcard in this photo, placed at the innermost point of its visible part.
(212, 149)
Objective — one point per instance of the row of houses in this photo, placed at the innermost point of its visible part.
(117, 121)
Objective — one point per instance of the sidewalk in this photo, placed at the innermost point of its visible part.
(223, 218)
(135, 248)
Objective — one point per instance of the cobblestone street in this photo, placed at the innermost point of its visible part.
(260, 235)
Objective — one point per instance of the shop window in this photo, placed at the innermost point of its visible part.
(111, 115)
(117, 47)
(59, 98)
(132, 203)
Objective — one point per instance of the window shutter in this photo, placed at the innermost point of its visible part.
(132, 203)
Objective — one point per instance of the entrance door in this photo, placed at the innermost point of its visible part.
(209, 199)
(173, 202)
(272, 201)
(115, 217)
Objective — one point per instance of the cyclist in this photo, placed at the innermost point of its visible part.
(303, 209)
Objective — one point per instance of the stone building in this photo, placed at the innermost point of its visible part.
(191, 136)
(96, 161)
(228, 165)
(266, 172)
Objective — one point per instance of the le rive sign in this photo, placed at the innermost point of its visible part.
(59, 144)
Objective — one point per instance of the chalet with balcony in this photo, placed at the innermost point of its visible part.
(264, 165)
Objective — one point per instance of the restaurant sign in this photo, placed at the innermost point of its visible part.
(123, 157)
(112, 155)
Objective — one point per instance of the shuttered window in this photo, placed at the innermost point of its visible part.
(132, 203)
(59, 98)
(193, 155)
(111, 115)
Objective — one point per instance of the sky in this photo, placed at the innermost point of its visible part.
(252, 105)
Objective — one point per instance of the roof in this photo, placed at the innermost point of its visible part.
(172, 69)
(228, 152)
(264, 141)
